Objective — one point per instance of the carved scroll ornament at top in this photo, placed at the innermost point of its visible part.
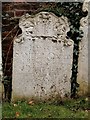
(85, 5)
(44, 24)
(84, 21)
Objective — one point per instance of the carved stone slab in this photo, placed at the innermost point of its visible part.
(83, 73)
(42, 58)
(1, 75)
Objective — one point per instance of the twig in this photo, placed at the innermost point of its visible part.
(9, 33)
(9, 51)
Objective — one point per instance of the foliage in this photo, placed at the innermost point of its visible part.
(24, 109)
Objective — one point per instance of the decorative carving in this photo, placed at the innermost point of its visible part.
(84, 20)
(85, 5)
(44, 24)
(44, 16)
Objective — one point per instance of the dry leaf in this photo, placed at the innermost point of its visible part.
(86, 111)
(86, 99)
(31, 102)
(17, 114)
(14, 105)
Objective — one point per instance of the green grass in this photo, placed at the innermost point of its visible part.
(67, 109)
(0, 111)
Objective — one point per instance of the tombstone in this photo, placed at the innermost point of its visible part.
(82, 78)
(1, 90)
(0, 69)
(42, 58)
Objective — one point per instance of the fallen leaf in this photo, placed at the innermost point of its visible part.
(17, 114)
(86, 99)
(31, 102)
(14, 105)
(29, 115)
(86, 111)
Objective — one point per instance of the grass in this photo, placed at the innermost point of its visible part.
(68, 109)
(0, 110)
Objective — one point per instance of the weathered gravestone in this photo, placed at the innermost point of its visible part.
(1, 75)
(83, 73)
(42, 58)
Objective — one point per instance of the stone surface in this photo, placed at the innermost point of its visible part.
(42, 58)
(0, 69)
(82, 78)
